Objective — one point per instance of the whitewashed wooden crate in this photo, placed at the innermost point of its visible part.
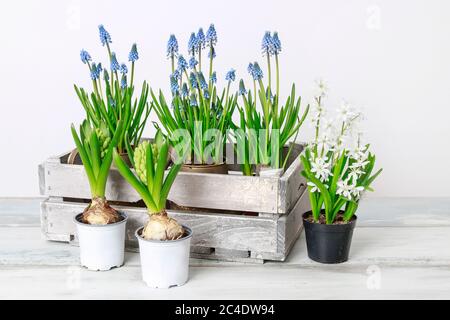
(236, 217)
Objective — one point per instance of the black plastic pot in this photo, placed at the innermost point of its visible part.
(328, 243)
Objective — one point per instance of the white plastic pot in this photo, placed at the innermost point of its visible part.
(101, 246)
(165, 264)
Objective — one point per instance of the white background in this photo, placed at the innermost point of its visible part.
(390, 58)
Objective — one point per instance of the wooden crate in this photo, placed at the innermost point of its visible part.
(236, 217)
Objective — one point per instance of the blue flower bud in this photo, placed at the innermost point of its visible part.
(99, 69)
(212, 52)
(123, 68)
(133, 55)
(257, 73)
(172, 46)
(213, 77)
(176, 74)
(206, 94)
(211, 35)
(105, 37)
(192, 62)
(201, 40)
(266, 45)
(242, 90)
(276, 44)
(106, 76)
(192, 44)
(231, 75)
(184, 90)
(123, 82)
(193, 80)
(182, 64)
(85, 56)
(193, 100)
(115, 66)
(94, 73)
(250, 68)
(203, 84)
(174, 87)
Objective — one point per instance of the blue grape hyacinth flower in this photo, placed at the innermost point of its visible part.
(123, 68)
(203, 84)
(174, 87)
(123, 82)
(192, 62)
(94, 73)
(211, 35)
(231, 75)
(184, 90)
(214, 77)
(172, 46)
(193, 80)
(192, 44)
(206, 94)
(212, 53)
(176, 74)
(201, 40)
(193, 100)
(266, 44)
(106, 76)
(105, 37)
(115, 66)
(257, 73)
(182, 64)
(85, 56)
(133, 55)
(242, 90)
(99, 69)
(250, 69)
(276, 43)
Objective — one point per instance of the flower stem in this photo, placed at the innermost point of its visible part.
(269, 73)
(132, 74)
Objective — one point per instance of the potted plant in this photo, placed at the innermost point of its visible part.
(198, 114)
(338, 169)
(261, 138)
(164, 244)
(100, 228)
(112, 98)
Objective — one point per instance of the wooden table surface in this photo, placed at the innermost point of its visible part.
(400, 249)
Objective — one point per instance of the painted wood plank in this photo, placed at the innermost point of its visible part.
(395, 246)
(243, 282)
(210, 230)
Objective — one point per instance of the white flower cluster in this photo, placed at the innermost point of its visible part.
(333, 139)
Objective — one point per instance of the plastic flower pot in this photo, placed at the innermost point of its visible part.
(221, 168)
(165, 264)
(328, 243)
(101, 246)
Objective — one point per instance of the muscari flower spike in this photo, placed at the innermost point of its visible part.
(242, 90)
(123, 68)
(213, 77)
(193, 80)
(105, 37)
(250, 69)
(85, 56)
(193, 100)
(106, 76)
(123, 82)
(192, 62)
(133, 55)
(203, 84)
(201, 40)
(192, 44)
(257, 73)
(231, 75)
(211, 35)
(206, 94)
(182, 64)
(172, 46)
(176, 74)
(115, 66)
(266, 45)
(276, 43)
(94, 73)
(99, 69)
(212, 53)
(184, 90)
(174, 87)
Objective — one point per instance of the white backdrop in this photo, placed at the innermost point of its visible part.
(391, 58)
